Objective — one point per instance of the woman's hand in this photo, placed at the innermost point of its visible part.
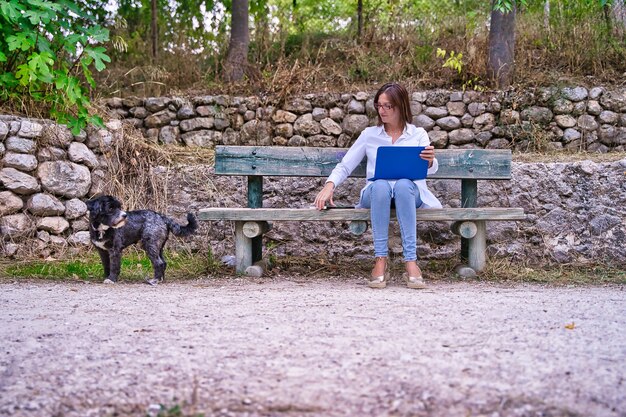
(428, 154)
(325, 195)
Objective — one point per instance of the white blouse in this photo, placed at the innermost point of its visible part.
(366, 146)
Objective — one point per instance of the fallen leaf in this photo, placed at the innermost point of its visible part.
(570, 326)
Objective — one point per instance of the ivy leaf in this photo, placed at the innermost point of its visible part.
(43, 45)
(23, 41)
(88, 76)
(11, 10)
(40, 65)
(73, 90)
(60, 80)
(98, 34)
(34, 16)
(98, 55)
(3, 57)
(49, 6)
(23, 74)
(75, 125)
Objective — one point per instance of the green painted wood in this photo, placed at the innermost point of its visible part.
(255, 200)
(469, 192)
(469, 198)
(292, 214)
(255, 191)
(494, 164)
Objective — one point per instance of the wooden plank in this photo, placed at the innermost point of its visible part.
(477, 251)
(279, 161)
(466, 229)
(288, 161)
(243, 249)
(288, 214)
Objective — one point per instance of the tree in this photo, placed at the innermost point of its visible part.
(618, 15)
(501, 59)
(237, 56)
(359, 11)
(154, 31)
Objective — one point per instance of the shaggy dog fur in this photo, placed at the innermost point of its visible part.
(111, 230)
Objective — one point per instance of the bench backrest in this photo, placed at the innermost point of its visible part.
(473, 164)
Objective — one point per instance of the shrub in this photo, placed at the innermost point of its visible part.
(47, 52)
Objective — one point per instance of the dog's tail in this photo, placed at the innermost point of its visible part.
(178, 230)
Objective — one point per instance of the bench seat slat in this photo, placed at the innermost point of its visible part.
(299, 214)
(491, 164)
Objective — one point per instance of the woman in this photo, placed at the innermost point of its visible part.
(394, 129)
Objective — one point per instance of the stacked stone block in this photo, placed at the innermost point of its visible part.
(573, 118)
(46, 173)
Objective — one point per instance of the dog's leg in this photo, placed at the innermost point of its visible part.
(106, 263)
(163, 263)
(158, 262)
(115, 256)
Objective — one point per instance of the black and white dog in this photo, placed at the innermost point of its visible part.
(111, 230)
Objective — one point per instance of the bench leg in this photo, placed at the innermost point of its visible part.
(477, 247)
(243, 248)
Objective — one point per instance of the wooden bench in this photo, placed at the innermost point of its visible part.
(255, 162)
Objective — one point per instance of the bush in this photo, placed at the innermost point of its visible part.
(47, 52)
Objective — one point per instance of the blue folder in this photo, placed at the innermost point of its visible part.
(396, 162)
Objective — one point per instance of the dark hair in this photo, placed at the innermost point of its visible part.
(399, 97)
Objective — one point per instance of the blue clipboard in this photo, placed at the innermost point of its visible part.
(396, 162)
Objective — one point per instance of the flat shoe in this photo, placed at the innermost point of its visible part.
(380, 281)
(416, 283)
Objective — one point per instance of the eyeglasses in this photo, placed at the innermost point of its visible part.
(386, 106)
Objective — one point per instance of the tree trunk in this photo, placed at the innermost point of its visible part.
(237, 56)
(618, 14)
(294, 14)
(359, 12)
(546, 16)
(500, 63)
(154, 30)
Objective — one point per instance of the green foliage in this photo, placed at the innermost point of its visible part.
(506, 6)
(47, 52)
(454, 61)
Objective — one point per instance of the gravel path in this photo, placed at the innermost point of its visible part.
(311, 347)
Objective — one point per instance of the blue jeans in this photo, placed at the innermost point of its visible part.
(406, 197)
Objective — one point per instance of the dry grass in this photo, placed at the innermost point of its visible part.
(130, 171)
(137, 169)
(498, 270)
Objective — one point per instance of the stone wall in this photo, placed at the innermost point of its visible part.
(576, 210)
(576, 214)
(46, 173)
(571, 118)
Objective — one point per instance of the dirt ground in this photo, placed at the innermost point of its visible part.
(286, 346)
